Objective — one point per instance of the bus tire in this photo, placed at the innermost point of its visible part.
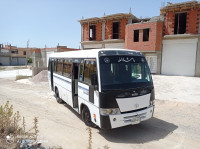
(58, 99)
(86, 117)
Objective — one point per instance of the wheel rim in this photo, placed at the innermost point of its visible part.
(87, 117)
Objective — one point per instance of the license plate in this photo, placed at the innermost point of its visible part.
(136, 120)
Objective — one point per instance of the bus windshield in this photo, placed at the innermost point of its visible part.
(124, 72)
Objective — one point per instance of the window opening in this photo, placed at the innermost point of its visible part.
(14, 51)
(146, 34)
(136, 36)
(180, 23)
(115, 30)
(92, 35)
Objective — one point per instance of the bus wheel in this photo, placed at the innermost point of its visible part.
(86, 117)
(58, 99)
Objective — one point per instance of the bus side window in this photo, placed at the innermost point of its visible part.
(81, 72)
(59, 66)
(90, 68)
(67, 68)
(55, 66)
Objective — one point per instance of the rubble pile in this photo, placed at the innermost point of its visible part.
(40, 77)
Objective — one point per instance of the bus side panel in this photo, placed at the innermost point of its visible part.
(64, 87)
(83, 91)
(83, 98)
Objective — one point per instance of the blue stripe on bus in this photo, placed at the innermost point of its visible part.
(70, 83)
(83, 88)
(62, 79)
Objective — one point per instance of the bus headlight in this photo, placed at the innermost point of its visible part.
(109, 111)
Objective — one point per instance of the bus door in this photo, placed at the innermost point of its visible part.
(75, 85)
(51, 73)
(87, 80)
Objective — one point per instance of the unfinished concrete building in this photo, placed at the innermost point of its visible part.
(147, 38)
(12, 55)
(105, 32)
(181, 40)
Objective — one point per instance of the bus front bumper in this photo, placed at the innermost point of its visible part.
(115, 121)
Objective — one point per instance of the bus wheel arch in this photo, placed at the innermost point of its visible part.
(58, 99)
(86, 116)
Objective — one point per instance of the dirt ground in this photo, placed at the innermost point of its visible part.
(175, 125)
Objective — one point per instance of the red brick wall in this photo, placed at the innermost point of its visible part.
(85, 32)
(169, 20)
(192, 22)
(99, 31)
(155, 36)
(159, 35)
(108, 29)
(122, 26)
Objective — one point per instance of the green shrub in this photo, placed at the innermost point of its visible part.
(29, 60)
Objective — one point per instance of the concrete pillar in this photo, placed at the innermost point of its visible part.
(129, 21)
(103, 31)
(197, 66)
(159, 61)
(81, 32)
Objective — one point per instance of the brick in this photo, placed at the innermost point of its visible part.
(155, 36)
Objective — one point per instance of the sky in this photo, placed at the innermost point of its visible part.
(49, 22)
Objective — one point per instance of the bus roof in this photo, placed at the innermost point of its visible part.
(92, 53)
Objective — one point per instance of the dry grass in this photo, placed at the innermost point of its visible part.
(11, 131)
(18, 67)
(89, 129)
(2, 68)
(89, 138)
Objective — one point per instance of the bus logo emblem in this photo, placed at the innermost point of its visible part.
(106, 60)
(136, 105)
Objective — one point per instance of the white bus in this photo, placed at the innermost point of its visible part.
(110, 88)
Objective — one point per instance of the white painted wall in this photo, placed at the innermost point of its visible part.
(115, 45)
(5, 61)
(179, 57)
(48, 54)
(92, 46)
(152, 62)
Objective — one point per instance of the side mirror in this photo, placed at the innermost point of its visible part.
(94, 81)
